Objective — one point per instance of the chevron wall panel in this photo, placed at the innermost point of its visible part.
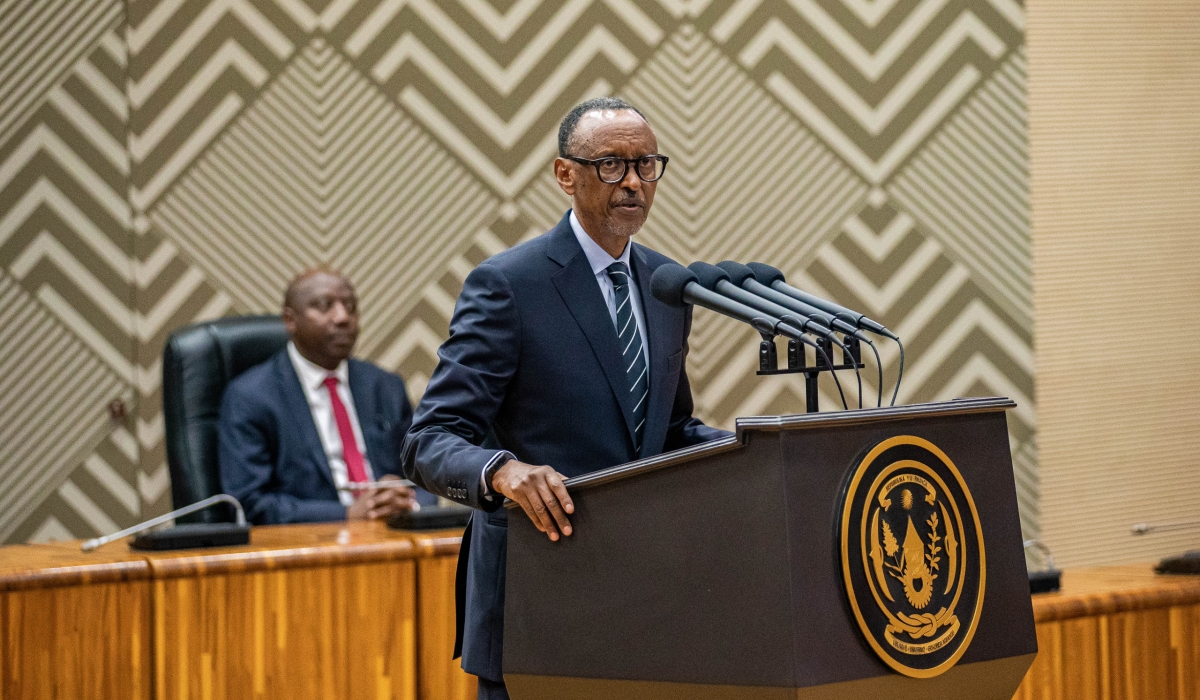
(183, 160)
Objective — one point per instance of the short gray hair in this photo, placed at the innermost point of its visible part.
(567, 128)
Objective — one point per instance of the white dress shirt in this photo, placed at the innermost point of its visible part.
(312, 380)
(599, 259)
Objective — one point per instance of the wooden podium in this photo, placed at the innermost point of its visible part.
(764, 566)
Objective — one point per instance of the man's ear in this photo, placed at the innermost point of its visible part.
(565, 174)
(289, 320)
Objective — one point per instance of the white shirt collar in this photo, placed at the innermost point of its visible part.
(312, 376)
(597, 256)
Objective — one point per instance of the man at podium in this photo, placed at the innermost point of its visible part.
(559, 362)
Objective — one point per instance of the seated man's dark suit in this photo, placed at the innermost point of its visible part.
(533, 364)
(271, 457)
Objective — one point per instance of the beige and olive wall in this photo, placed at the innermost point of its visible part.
(167, 162)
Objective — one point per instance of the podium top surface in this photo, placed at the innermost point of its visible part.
(803, 421)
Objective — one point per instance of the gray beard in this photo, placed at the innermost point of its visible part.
(626, 232)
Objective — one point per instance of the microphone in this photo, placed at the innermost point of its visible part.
(184, 536)
(742, 276)
(675, 285)
(768, 276)
(773, 278)
(715, 279)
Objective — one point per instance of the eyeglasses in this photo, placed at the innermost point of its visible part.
(612, 170)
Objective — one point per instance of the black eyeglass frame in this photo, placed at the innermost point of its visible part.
(595, 162)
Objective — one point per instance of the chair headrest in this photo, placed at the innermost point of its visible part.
(229, 346)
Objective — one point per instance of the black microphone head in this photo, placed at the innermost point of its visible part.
(668, 281)
(738, 273)
(765, 274)
(708, 275)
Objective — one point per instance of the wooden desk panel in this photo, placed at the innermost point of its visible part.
(320, 632)
(1117, 633)
(74, 625)
(441, 677)
(316, 611)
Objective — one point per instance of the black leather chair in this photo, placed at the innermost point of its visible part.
(198, 362)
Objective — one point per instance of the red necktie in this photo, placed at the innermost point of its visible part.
(355, 469)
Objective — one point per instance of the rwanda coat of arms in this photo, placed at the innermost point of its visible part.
(912, 556)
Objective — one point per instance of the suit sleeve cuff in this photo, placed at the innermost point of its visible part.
(499, 458)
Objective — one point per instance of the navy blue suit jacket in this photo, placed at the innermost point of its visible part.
(270, 454)
(533, 365)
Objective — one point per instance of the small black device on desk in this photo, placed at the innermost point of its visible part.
(1186, 563)
(193, 535)
(431, 518)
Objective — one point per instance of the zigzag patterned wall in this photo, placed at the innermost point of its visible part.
(179, 160)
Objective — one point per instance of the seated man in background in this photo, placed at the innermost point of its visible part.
(295, 430)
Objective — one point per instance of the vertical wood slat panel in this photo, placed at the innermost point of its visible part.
(82, 641)
(1141, 655)
(441, 677)
(323, 632)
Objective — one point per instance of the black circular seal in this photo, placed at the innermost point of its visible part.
(912, 555)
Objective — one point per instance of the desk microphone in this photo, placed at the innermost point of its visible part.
(185, 536)
(716, 279)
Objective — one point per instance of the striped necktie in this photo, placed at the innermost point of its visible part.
(631, 349)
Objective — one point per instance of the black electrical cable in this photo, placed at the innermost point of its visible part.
(899, 376)
(879, 366)
(833, 374)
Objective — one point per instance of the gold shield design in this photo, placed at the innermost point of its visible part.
(912, 555)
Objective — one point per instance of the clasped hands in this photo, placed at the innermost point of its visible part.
(541, 494)
(378, 504)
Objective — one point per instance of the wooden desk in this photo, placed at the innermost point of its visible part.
(1117, 632)
(359, 611)
(306, 611)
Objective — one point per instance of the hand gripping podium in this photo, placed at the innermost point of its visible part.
(861, 554)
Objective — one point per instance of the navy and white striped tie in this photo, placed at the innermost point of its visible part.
(631, 348)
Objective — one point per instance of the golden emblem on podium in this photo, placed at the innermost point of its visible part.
(912, 556)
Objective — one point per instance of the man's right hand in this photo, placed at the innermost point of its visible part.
(540, 492)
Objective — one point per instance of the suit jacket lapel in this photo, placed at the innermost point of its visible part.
(658, 317)
(301, 416)
(577, 285)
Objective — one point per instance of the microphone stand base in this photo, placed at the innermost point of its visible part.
(192, 536)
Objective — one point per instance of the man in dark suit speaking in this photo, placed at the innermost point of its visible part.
(294, 431)
(559, 356)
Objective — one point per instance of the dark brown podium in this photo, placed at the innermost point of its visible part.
(720, 571)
